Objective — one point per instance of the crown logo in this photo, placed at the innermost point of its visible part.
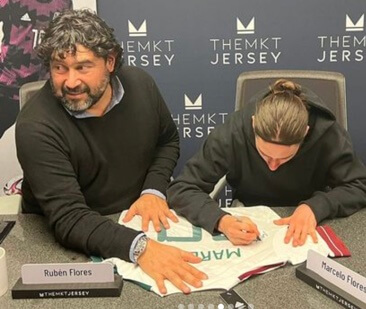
(358, 26)
(241, 29)
(196, 105)
(141, 31)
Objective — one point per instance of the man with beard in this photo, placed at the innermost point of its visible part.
(96, 139)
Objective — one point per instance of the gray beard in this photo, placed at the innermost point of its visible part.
(80, 106)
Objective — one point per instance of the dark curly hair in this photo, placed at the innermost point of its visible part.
(84, 27)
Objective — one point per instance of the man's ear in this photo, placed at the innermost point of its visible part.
(111, 62)
(253, 121)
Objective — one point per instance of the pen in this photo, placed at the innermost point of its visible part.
(244, 231)
(258, 237)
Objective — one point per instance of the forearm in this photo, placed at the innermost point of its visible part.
(341, 201)
(87, 231)
(165, 160)
(189, 196)
(194, 204)
(346, 178)
(160, 172)
(167, 146)
(53, 185)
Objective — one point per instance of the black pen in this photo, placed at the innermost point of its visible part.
(244, 231)
(258, 237)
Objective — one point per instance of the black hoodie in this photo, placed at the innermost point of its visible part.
(324, 174)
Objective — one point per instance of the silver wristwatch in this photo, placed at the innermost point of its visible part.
(140, 247)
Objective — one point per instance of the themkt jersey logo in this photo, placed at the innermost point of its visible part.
(141, 51)
(245, 47)
(344, 48)
(241, 29)
(189, 105)
(133, 31)
(358, 26)
(194, 123)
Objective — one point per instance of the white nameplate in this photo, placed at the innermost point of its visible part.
(67, 273)
(339, 275)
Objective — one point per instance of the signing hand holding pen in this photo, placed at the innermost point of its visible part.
(239, 230)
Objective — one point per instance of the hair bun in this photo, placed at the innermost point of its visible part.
(283, 85)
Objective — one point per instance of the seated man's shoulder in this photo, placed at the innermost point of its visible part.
(133, 74)
(40, 104)
(42, 113)
(237, 121)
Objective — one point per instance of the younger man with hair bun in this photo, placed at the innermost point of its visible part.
(285, 148)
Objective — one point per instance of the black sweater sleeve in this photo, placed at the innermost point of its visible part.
(54, 184)
(167, 148)
(346, 176)
(188, 194)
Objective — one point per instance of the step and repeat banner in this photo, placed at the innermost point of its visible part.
(195, 50)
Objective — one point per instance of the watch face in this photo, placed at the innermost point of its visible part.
(140, 247)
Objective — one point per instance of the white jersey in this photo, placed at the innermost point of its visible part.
(225, 264)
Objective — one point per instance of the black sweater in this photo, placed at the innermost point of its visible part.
(77, 169)
(325, 173)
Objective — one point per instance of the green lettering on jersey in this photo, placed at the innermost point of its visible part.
(195, 237)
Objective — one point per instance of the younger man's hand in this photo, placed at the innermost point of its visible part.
(300, 224)
(239, 230)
